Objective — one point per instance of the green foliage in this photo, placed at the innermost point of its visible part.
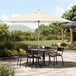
(54, 45)
(63, 44)
(7, 44)
(17, 35)
(10, 45)
(22, 52)
(72, 46)
(70, 14)
(4, 33)
(22, 45)
(7, 52)
(51, 31)
(21, 36)
(12, 52)
(5, 70)
(45, 32)
(55, 28)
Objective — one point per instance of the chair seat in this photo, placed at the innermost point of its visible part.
(52, 54)
(58, 54)
(35, 56)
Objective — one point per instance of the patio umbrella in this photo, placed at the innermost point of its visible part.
(38, 17)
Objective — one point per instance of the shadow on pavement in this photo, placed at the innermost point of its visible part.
(67, 64)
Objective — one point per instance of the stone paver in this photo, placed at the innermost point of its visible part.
(69, 69)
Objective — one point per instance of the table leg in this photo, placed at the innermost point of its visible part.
(33, 57)
(44, 58)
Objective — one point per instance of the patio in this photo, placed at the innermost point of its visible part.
(69, 67)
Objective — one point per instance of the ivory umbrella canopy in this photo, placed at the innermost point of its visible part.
(38, 16)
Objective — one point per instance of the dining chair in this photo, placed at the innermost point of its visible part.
(20, 56)
(60, 54)
(31, 55)
(54, 55)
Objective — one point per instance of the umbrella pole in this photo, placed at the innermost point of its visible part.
(38, 35)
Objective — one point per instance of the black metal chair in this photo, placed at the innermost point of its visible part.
(52, 55)
(31, 54)
(20, 56)
(59, 52)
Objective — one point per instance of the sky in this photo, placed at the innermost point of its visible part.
(11, 8)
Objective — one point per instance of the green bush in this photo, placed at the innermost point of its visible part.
(21, 45)
(32, 46)
(5, 70)
(13, 52)
(10, 45)
(63, 44)
(11, 49)
(71, 46)
(7, 44)
(54, 45)
(7, 53)
(22, 52)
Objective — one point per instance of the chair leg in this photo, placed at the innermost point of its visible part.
(18, 61)
(38, 61)
(62, 60)
(49, 60)
(27, 59)
(56, 60)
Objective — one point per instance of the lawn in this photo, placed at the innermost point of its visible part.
(42, 42)
(53, 43)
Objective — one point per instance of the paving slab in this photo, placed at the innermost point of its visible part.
(69, 68)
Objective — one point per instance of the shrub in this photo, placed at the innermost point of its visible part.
(11, 49)
(32, 46)
(7, 53)
(71, 46)
(54, 45)
(21, 45)
(9, 45)
(63, 44)
(14, 52)
(5, 70)
(22, 52)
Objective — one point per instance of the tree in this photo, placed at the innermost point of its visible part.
(50, 31)
(55, 28)
(70, 14)
(4, 33)
(43, 29)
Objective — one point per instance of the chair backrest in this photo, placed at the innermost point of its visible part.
(60, 50)
(28, 52)
(47, 47)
